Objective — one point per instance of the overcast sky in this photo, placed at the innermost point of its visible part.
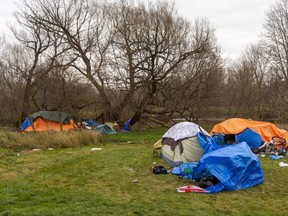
(237, 22)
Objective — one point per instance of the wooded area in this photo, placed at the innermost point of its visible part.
(114, 60)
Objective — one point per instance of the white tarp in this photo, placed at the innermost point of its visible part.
(184, 130)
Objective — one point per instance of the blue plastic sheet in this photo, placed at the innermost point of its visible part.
(235, 166)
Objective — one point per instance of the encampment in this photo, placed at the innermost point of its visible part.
(195, 155)
(48, 120)
(232, 167)
(250, 131)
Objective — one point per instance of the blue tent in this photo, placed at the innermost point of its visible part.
(105, 129)
(235, 166)
(252, 138)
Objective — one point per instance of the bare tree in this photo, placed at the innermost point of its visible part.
(36, 54)
(275, 39)
(83, 26)
(248, 80)
(153, 43)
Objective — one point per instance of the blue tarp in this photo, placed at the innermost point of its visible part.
(91, 122)
(252, 138)
(126, 126)
(235, 166)
(26, 123)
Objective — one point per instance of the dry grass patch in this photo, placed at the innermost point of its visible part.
(45, 140)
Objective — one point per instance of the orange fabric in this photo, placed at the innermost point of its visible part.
(236, 125)
(45, 125)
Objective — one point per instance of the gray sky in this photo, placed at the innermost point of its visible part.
(237, 22)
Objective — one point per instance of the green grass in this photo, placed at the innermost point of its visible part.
(78, 181)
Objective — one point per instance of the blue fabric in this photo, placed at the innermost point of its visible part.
(91, 122)
(26, 123)
(235, 166)
(252, 138)
(126, 126)
(219, 138)
(190, 171)
(207, 142)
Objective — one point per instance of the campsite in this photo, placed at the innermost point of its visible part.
(126, 107)
(118, 180)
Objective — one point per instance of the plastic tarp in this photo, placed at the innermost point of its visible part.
(91, 122)
(184, 130)
(252, 138)
(26, 123)
(105, 129)
(52, 116)
(126, 126)
(237, 125)
(235, 166)
(48, 120)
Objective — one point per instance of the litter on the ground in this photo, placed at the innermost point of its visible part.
(96, 149)
(36, 149)
(190, 189)
(282, 164)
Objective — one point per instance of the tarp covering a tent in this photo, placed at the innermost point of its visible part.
(234, 166)
(237, 126)
(48, 120)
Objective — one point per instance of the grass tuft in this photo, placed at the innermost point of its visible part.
(45, 140)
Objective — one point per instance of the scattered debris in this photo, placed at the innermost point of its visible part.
(282, 164)
(96, 149)
(36, 149)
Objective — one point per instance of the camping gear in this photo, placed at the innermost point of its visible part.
(91, 122)
(231, 167)
(184, 142)
(105, 129)
(48, 121)
(126, 126)
(159, 170)
(254, 133)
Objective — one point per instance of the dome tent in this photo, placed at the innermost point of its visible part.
(47, 121)
(184, 142)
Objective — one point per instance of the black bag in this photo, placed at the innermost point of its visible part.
(159, 170)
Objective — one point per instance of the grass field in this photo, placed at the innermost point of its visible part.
(79, 181)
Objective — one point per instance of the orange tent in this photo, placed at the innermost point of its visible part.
(45, 125)
(47, 121)
(236, 125)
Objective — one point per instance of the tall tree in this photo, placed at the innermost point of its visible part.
(82, 24)
(275, 39)
(36, 53)
(153, 43)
